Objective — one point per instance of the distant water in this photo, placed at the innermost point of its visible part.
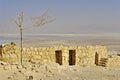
(7, 39)
(4, 39)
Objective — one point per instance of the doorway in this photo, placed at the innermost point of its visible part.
(72, 57)
(58, 55)
(96, 58)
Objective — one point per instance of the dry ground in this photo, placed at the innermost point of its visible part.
(53, 71)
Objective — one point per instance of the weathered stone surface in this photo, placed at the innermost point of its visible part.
(7, 67)
(9, 52)
(114, 62)
(84, 55)
(19, 66)
(3, 63)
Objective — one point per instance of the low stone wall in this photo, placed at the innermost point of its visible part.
(9, 52)
(83, 55)
(114, 62)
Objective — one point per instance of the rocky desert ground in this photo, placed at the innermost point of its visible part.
(53, 71)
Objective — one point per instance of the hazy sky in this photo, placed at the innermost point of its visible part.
(72, 16)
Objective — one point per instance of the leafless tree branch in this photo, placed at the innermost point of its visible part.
(38, 21)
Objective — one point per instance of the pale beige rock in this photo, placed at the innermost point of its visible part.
(7, 67)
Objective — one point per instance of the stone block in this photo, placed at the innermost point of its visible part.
(35, 49)
(7, 67)
(13, 67)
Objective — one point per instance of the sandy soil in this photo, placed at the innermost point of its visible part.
(53, 71)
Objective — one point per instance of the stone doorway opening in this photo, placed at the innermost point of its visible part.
(96, 58)
(72, 57)
(58, 55)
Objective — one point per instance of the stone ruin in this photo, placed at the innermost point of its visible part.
(9, 52)
(63, 55)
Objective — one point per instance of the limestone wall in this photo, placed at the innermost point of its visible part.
(114, 62)
(85, 55)
(9, 52)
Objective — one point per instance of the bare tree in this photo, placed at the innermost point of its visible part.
(37, 21)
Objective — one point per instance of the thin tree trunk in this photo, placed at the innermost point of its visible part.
(21, 42)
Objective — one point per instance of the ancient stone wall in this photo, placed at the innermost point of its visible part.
(114, 62)
(9, 52)
(84, 55)
(64, 55)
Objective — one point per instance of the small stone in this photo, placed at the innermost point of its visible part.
(13, 43)
(10, 77)
(22, 70)
(19, 67)
(30, 78)
(14, 67)
(3, 63)
(8, 67)
(15, 63)
(41, 79)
